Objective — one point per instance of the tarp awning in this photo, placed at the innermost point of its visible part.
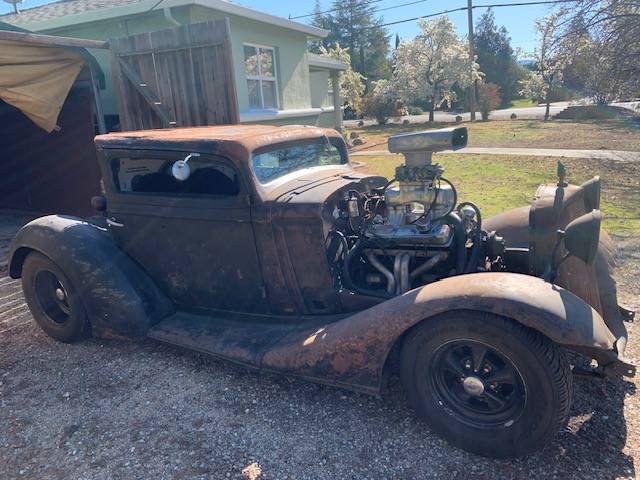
(36, 79)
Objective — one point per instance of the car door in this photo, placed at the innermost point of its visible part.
(194, 238)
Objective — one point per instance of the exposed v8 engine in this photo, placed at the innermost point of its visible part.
(412, 231)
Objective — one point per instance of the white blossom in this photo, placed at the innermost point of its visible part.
(428, 66)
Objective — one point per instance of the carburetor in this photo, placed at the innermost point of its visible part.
(421, 194)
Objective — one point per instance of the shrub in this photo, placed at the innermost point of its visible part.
(415, 111)
(488, 99)
(381, 103)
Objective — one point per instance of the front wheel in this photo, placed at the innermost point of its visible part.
(53, 299)
(486, 383)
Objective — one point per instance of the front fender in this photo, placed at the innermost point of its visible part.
(119, 298)
(353, 351)
(513, 225)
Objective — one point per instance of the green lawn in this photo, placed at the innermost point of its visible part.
(588, 134)
(500, 182)
(522, 103)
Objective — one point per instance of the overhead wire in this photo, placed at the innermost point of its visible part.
(442, 12)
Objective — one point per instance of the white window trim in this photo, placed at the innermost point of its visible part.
(261, 78)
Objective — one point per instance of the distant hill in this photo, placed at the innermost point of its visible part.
(527, 62)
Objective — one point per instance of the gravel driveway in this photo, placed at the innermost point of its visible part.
(116, 410)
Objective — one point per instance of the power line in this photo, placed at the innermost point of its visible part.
(401, 5)
(334, 10)
(443, 12)
(364, 4)
(462, 9)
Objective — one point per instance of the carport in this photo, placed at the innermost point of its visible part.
(49, 113)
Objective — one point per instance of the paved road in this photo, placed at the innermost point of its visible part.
(617, 155)
(524, 113)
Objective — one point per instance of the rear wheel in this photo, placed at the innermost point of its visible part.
(486, 383)
(52, 299)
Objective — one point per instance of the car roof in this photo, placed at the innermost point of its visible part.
(248, 137)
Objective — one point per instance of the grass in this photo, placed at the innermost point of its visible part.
(580, 135)
(522, 103)
(498, 183)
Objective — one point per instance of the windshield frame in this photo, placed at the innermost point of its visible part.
(336, 142)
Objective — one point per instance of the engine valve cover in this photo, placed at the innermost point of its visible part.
(435, 235)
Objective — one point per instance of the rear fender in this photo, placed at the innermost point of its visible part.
(119, 298)
(352, 352)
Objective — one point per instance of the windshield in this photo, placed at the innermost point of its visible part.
(275, 163)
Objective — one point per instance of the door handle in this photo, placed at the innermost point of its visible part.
(112, 223)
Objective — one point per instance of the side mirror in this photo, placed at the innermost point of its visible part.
(181, 170)
(582, 236)
(99, 203)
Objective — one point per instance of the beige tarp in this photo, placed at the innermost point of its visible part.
(36, 79)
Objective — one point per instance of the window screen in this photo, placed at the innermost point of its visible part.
(153, 176)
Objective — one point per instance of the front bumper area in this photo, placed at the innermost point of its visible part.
(613, 363)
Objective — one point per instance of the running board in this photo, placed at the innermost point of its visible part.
(238, 341)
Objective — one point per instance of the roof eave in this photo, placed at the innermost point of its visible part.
(234, 9)
(151, 5)
(323, 63)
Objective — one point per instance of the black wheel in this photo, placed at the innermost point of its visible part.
(52, 299)
(486, 383)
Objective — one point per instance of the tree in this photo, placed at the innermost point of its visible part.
(605, 34)
(488, 99)
(550, 62)
(381, 103)
(354, 25)
(351, 82)
(495, 56)
(428, 67)
(319, 20)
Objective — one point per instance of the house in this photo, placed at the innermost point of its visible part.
(276, 79)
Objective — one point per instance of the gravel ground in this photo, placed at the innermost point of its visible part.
(116, 410)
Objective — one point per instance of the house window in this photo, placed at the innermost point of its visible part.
(260, 70)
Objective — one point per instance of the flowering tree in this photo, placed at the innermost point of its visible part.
(428, 66)
(550, 62)
(351, 82)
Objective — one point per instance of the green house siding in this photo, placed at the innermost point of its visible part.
(319, 81)
(291, 59)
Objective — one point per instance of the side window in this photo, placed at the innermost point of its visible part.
(153, 176)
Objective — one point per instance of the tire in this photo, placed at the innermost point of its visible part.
(53, 299)
(513, 416)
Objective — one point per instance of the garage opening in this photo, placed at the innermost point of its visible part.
(50, 113)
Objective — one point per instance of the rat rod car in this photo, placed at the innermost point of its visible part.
(264, 246)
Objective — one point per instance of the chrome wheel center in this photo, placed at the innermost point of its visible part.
(60, 294)
(473, 386)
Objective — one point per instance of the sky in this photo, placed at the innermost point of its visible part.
(519, 21)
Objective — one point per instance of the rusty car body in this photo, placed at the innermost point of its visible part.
(223, 240)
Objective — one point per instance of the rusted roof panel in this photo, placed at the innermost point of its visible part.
(249, 137)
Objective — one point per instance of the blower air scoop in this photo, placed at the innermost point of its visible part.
(418, 147)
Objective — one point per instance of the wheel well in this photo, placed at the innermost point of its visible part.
(392, 361)
(17, 260)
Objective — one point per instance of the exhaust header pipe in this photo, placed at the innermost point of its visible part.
(418, 147)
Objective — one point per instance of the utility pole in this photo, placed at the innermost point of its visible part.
(472, 88)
